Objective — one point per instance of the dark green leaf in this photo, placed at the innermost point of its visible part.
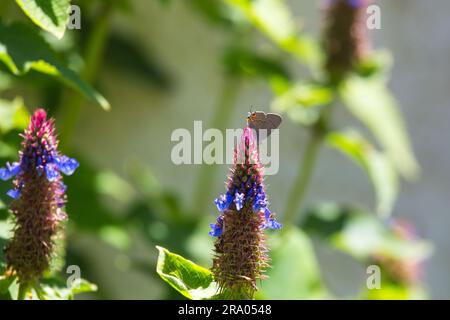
(244, 62)
(23, 49)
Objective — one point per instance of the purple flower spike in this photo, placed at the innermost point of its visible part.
(240, 250)
(39, 199)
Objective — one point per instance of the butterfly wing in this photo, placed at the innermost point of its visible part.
(273, 120)
(260, 120)
(257, 120)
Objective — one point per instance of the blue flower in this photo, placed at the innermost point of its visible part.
(67, 165)
(270, 222)
(217, 228)
(14, 193)
(260, 202)
(223, 201)
(10, 171)
(51, 171)
(273, 224)
(239, 200)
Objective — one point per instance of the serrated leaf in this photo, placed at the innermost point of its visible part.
(292, 254)
(376, 164)
(189, 279)
(50, 15)
(370, 101)
(22, 49)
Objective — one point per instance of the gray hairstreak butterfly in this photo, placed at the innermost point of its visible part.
(258, 120)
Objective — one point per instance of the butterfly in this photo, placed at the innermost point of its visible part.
(260, 120)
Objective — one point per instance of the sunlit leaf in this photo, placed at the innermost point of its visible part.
(371, 102)
(191, 280)
(6, 284)
(274, 19)
(378, 167)
(364, 236)
(295, 272)
(13, 115)
(50, 15)
(301, 102)
(22, 49)
(55, 289)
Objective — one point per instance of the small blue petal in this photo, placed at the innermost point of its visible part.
(270, 222)
(223, 202)
(15, 194)
(14, 168)
(67, 165)
(267, 213)
(216, 230)
(273, 224)
(260, 202)
(239, 200)
(10, 171)
(4, 174)
(51, 172)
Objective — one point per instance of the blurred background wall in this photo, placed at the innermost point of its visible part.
(188, 49)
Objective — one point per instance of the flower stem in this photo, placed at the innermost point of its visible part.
(307, 166)
(221, 118)
(301, 184)
(95, 47)
(24, 288)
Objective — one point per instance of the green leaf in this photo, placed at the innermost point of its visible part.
(294, 272)
(364, 236)
(50, 15)
(243, 62)
(22, 49)
(274, 19)
(191, 280)
(56, 289)
(378, 167)
(371, 102)
(300, 102)
(13, 115)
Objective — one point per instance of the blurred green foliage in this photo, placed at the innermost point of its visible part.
(124, 212)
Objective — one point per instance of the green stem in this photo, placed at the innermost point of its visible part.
(24, 288)
(307, 166)
(221, 118)
(302, 182)
(95, 47)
